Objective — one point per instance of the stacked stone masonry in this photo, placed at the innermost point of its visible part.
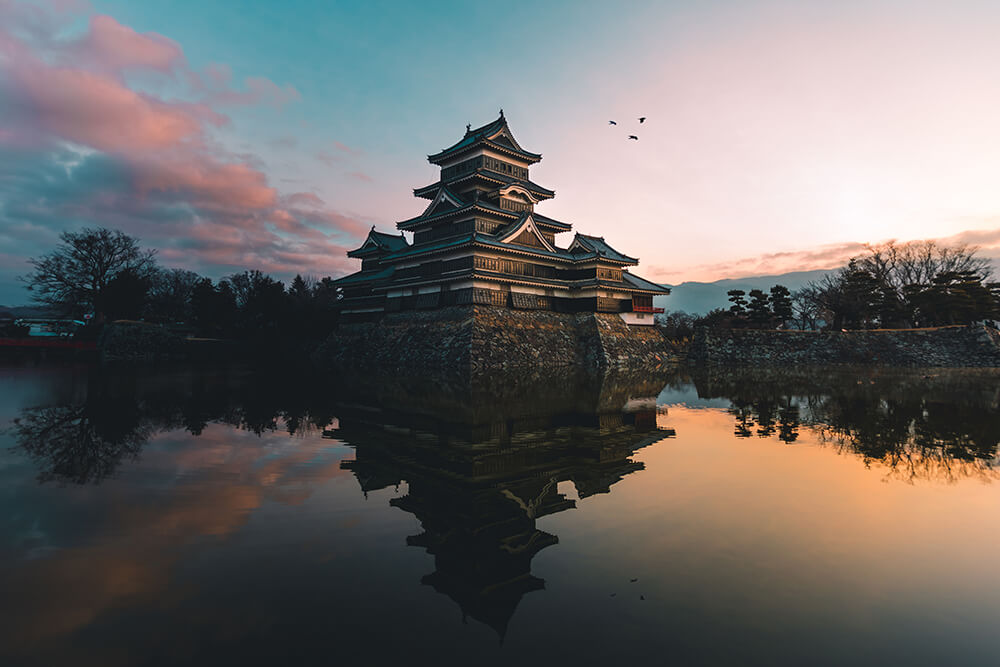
(486, 338)
(959, 347)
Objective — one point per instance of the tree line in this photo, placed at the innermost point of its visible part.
(918, 284)
(108, 275)
(891, 285)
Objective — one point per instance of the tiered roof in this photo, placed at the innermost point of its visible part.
(379, 242)
(496, 136)
(522, 234)
(489, 177)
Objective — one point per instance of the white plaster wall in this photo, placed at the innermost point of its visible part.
(637, 318)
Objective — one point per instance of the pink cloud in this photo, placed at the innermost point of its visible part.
(823, 257)
(100, 112)
(306, 199)
(214, 83)
(117, 46)
(152, 166)
(346, 149)
(206, 183)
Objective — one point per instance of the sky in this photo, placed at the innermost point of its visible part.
(780, 136)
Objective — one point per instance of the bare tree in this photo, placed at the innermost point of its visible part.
(72, 278)
(170, 294)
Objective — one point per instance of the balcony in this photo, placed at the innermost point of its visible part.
(645, 309)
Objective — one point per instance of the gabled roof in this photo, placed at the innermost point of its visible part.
(377, 242)
(526, 223)
(598, 245)
(443, 201)
(465, 209)
(495, 135)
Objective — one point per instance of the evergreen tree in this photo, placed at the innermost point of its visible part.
(759, 310)
(739, 308)
(781, 304)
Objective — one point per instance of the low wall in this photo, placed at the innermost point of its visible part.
(960, 347)
(477, 339)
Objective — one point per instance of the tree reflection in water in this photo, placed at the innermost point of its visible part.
(939, 426)
(87, 440)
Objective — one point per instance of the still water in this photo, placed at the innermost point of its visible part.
(187, 516)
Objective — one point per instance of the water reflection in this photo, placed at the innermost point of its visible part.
(478, 485)
(87, 438)
(480, 465)
(938, 426)
(207, 504)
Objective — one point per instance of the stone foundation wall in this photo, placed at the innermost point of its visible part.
(478, 339)
(959, 347)
(624, 346)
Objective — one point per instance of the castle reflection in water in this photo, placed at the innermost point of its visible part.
(481, 472)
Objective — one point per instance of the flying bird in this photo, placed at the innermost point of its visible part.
(611, 122)
(632, 136)
(642, 120)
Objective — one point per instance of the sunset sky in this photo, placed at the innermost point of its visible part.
(780, 135)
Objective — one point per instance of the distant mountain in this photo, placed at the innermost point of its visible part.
(699, 298)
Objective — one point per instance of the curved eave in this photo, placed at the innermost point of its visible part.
(478, 240)
(494, 276)
(623, 287)
(545, 221)
(592, 256)
(644, 285)
(487, 176)
(362, 253)
(475, 207)
(450, 153)
(420, 219)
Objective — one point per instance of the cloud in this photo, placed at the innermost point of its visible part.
(97, 111)
(818, 258)
(79, 146)
(214, 85)
(284, 142)
(327, 158)
(346, 149)
(116, 46)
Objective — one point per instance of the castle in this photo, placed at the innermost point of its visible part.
(481, 241)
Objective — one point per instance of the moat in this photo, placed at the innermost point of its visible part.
(189, 516)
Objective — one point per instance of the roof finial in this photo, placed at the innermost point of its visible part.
(501, 112)
(468, 128)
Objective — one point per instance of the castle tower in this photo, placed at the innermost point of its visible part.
(481, 240)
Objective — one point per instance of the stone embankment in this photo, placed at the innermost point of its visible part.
(958, 346)
(480, 339)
